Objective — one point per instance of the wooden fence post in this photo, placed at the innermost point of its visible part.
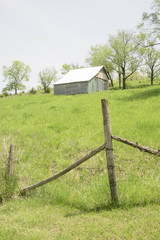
(109, 150)
(10, 161)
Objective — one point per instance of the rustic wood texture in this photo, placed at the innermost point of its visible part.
(66, 170)
(136, 145)
(109, 150)
(10, 161)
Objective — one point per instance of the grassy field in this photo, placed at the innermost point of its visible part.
(50, 132)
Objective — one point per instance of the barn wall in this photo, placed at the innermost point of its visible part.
(92, 85)
(102, 85)
(97, 85)
(71, 88)
(102, 75)
(59, 89)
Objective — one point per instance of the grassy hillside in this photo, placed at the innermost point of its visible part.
(50, 132)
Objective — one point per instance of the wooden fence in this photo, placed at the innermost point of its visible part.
(109, 156)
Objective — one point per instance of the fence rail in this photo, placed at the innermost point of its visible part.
(136, 145)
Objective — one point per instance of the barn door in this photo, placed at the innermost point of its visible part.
(94, 85)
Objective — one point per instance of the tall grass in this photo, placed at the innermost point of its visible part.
(50, 132)
(8, 183)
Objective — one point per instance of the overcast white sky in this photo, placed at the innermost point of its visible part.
(46, 33)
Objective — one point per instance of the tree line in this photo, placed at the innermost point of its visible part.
(127, 52)
(123, 53)
(18, 73)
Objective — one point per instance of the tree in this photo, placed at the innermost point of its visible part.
(100, 55)
(67, 67)
(16, 74)
(151, 21)
(47, 76)
(150, 54)
(152, 63)
(125, 54)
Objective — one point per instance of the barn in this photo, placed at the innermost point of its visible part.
(83, 80)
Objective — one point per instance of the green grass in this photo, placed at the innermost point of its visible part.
(50, 132)
(25, 219)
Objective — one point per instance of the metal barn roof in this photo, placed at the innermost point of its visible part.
(79, 75)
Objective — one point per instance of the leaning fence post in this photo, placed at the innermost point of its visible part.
(109, 150)
(10, 161)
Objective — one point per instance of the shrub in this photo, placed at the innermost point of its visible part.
(39, 88)
(47, 90)
(6, 94)
(32, 91)
(21, 93)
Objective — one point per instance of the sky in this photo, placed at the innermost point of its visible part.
(47, 33)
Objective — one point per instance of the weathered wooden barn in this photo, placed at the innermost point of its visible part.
(83, 80)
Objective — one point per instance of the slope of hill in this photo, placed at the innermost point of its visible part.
(50, 132)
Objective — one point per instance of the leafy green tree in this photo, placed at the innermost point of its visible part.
(152, 63)
(101, 55)
(150, 54)
(125, 54)
(16, 74)
(47, 76)
(67, 67)
(150, 24)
